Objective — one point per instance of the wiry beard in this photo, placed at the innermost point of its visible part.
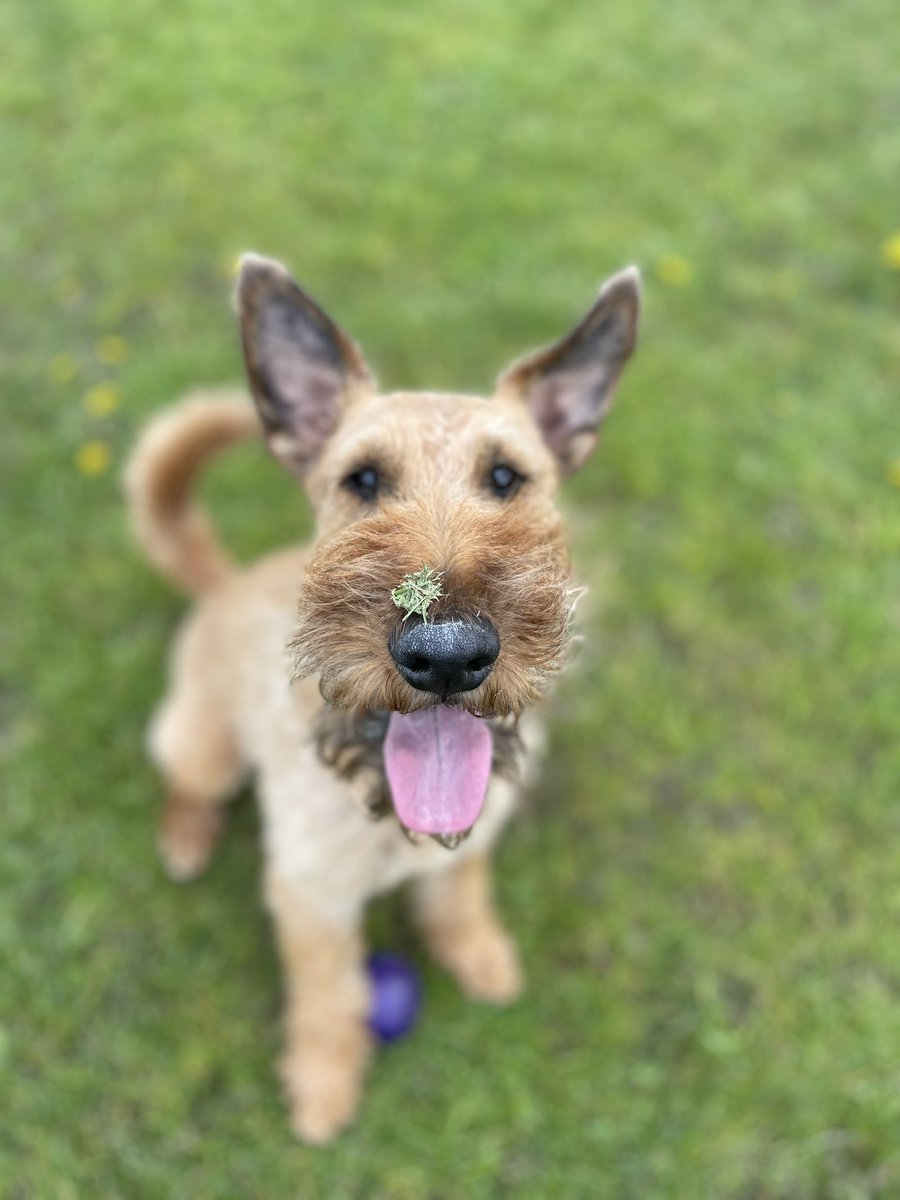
(514, 573)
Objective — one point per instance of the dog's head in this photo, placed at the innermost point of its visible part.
(461, 485)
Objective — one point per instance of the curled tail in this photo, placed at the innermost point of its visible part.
(176, 535)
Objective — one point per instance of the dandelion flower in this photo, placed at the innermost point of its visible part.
(893, 473)
(103, 399)
(890, 252)
(112, 350)
(674, 270)
(63, 368)
(92, 458)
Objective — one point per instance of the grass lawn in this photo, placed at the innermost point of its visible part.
(707, 886)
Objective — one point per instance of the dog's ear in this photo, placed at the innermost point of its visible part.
(303, 369)
(568, 386)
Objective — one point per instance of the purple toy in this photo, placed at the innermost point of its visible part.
(396, 995)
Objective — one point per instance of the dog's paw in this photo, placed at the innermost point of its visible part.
(319, 1119)
(323, 1096)
(187, 837)
(485, 963)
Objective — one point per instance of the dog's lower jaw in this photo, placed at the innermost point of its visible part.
(448, 840)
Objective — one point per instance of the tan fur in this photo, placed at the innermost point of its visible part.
(175, 536)
(327, 1042)
(301, 698)
(188, 834)
(231, 705)
(462, 931)
(508, 561)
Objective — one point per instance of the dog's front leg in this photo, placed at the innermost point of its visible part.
(326, 1007)
(456, 914)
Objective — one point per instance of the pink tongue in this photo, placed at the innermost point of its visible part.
(438, 761)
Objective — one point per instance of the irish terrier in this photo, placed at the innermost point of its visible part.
(380, 741)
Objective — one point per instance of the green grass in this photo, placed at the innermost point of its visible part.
(707, 888)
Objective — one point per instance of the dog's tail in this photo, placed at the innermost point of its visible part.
(176, 535)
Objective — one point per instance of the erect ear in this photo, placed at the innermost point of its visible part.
(303, 369)
(568, 386)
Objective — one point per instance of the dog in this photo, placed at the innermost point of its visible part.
(387, 747)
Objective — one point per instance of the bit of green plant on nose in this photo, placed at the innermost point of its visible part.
(418, 591)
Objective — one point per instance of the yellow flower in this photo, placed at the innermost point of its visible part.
(893, 473)
(103, 399)
(112, 350)
(890, 252)
(674, 270)
(92, 458)
(63, 368)
(231, 267)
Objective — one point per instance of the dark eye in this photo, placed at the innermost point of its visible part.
(504, 480)
(363, 483)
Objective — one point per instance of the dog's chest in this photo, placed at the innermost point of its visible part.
(318, 834)
(318, 828)
(315, 776)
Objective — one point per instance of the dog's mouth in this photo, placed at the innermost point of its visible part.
(438, 763)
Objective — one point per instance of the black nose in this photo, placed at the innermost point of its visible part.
(446, 656)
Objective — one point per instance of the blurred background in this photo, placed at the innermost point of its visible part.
(707, 886)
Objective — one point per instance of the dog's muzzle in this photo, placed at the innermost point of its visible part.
(446, 657)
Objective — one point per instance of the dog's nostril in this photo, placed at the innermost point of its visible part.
(479, 663)
(417, 663)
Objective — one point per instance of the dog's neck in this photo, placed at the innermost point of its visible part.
(351, 743)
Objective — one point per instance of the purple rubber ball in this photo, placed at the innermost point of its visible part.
(396, 995)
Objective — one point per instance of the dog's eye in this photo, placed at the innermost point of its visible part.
(504, 480)
(363, 483)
